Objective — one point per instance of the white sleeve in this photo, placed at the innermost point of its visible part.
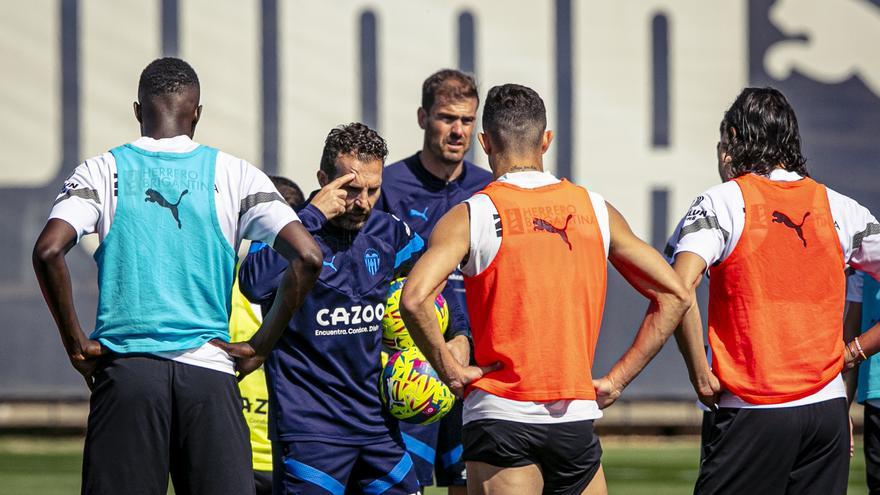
(706, 229)
(485, 234)
(262, 211)
(859, 233)
(669, 250)
(854, 284)
(600, 209)
(81, 200)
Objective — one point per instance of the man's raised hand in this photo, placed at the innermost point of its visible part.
(330, 200)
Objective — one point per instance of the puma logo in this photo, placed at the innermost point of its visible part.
(798, 228)
(155, 196)
(544, 225)
(330, 263)
(421, 214)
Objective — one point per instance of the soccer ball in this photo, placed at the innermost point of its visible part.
(394, 333)
(411, 390)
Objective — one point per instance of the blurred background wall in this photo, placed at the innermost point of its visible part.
(634, 90)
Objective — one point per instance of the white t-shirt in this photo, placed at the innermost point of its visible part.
(484, 245)
(714, 224)
(88, 203)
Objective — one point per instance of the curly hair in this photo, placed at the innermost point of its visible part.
(354, 138)
(514, 116)
(448, 84)
(165, 76)
(761, 132)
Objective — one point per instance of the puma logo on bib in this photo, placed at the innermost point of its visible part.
(155, 196)
(541, 224)
(798, 228)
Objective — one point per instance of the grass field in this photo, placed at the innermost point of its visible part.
(633, 466)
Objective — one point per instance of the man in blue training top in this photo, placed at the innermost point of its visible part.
(421, 189)
(329, 431)
(170, 214)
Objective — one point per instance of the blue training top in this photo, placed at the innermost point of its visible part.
(412, 193)
(165, 271)
(323, 374)
(869, 371)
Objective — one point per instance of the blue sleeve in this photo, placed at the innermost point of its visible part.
(312, 218)
(260, 274)
(459, 323)
(410, 247)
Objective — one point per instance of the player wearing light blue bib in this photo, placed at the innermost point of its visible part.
(169, 214)
(145, 303)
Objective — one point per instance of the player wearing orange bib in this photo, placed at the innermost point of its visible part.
(775, 243)
(533, 250)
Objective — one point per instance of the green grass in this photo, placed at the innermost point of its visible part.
(633, 466)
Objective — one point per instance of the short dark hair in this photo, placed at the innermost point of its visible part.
(448, 84)
(762, 132)
(289, 190)
(514, 116)
(166, 76)
(354, 138)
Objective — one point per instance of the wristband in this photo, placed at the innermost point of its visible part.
(859, 347)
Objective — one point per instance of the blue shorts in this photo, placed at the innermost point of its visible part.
(321, 468)
(437, 446)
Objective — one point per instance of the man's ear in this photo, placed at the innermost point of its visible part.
(137, 112)
(485, 142)
(422, 116)
(546, 139)
(323, 180)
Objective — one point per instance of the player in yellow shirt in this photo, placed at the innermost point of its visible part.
(244, 320)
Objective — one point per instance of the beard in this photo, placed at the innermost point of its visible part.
(353, 220)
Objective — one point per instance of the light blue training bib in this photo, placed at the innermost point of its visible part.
(165, 271)
(869, 371)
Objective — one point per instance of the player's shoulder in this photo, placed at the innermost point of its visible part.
(595, 197)
(231, 163)
(847, 204)
(102, 163)
(92, 171)
(240, 174)
(719, 196)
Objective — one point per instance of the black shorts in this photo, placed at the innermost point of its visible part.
(263, 482)
(803, 450)
(872, 448)
(568, 454)
(150, 416)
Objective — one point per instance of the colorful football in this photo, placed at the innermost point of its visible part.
(394, 333)
(411, 390)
